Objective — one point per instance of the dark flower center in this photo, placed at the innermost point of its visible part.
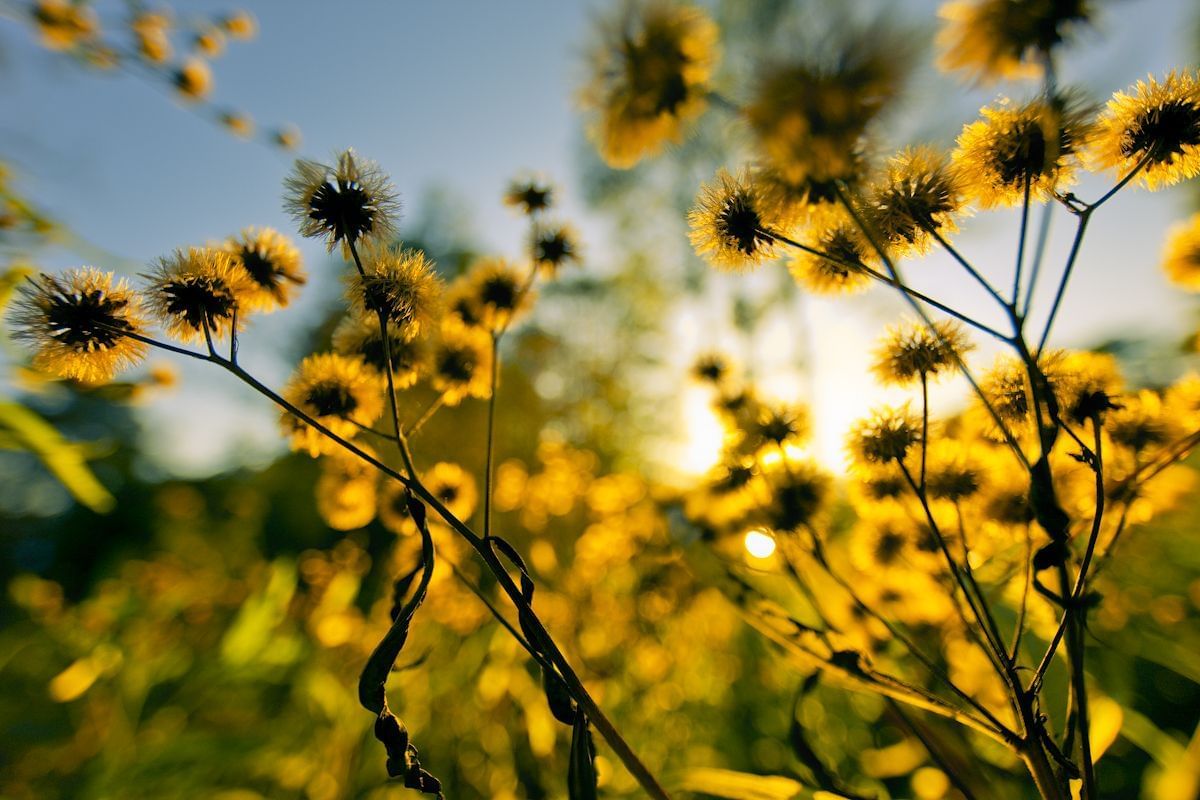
(331, 399)
(371, 351)
(345, 210)
(448, 494)
(795, 504)
(262, 270)
(456, 366)
(199, 300)
(499, 292)
(86, 321)
(1168, 129)
(533, 198)
(741, 225)
(553, 248)
(737, 477)
(655, 72)
(888, 547)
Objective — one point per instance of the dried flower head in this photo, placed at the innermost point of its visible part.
(732, 224)
(196, 292)
(833, 232)
(1141, 423)
(885, 436)
(1013, 150)
(530, 194)
(337, 391)
(953, 472)
(993, 39)
(345, 203)
(1181, 255)
(918, 195)
(400, 284)
(912, 351)
(553, 245)
(78, 323)
(359, 336)
(650, 78)
(1159, 123)
(711, 368)
(273, 264)
(462, 363)
(454, 487)
(795, 491)
(193, 79)
(499, 293)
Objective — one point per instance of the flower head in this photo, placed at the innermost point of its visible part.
(796, 491)
(912, 351)
(1158, 123)
(273, 264)
(193, 79)
(650, 78)
(498, 293)
(710, 368)
(991, 39)
(337, 391)
(454, 487)
(78, 324)
(554, 245)
(400, 284)
(346, 490)
(344, 203)
(917, 196)
(359, 336)
(197, 290)
(887, 435)
(833, 232)
(529, 194)
(1035, 145)
(62, 25)
(1181, 255)
(462, 363)
(732, 225)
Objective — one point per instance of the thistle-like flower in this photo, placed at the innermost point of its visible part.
(273, 264)
(498, 293)
(650, 79)
(398, 283)
(993, 39)
(553, 245)
(78, 324)
(1181, 255)
(337, 391)
(796, 491)
(1159, 123)
(196, 292)
(462, 363)
(62, 25)
(454, 487)
(529, 194)
(359, 336)
(1035, 145)
(912, 352)
(918, 194)
(710, 368)
(885, 436)
(832, 231)
(345, 203)
(731, 223)
(193, 79)
(346, 490)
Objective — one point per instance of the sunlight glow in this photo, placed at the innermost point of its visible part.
(759, 544)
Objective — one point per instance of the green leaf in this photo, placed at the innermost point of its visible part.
(64, 459)
(581, 774)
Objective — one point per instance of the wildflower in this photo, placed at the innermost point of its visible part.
(238, 123)
(460, 302)
(1140, 423)
(1084, 383)
(346, 203)
(454, 487)
(650, 79)
(287, 137)
(796, 198)
(731, 225)
(1035, 145)
(875, 482)
(498, 293)
(153, 46)
(398, 283)
(193, 79)
(359, 335)
(710, 368)
(210, 42)
(239, 25)
(776, 425)
(991, 39)
(273, 264)
(346, 490)
(1159, 123)
(196, 292)
(916, 197)
(887, 435)
(952, 473)
(884, 539)
(832, 231)
(338, 392)
(392, 508)
(913, 352)
(530, 195)
(462, 363)
(797, 491)
(63, 25)
(1181, 255)
(553, 245)
(78, 324)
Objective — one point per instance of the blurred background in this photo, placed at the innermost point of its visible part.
(177, 620)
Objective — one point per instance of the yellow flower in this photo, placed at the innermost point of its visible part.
(710, 368)
(650, 79)
(992, 39)
(530, 194)
(831, 230)
(912, 352)
(346, 490)
(210, 42)
(1140, 423)
(885, 436)
(1035, 145)
(1160, 122)
(553, 245)
(358, 335)
(1181, 256)
(498, 293)
(197, 289)
(953, 472)
(791, 492)
(193, 79)
(240, 25)
(273, 264)
(454, 487)
(287, 137)
(344, 203)
(77, 324)
(731, 223)
(462, 363)
(63, 25)
(153, 46)
(918, 194)
(400, 284)
(392, 508)
(238, 123)
(337, 391)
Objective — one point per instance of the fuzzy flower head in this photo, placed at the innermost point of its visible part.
(1181, 255)
(78, 324)
(462, 363)
(62, 25)
(885, 436)
(832, 231)
(358, 336)
(346, 203)
(193, 79)
(531, 195)
(197, 290)
(795, 491)
(912, 352)
(273, 264)
(554, 245)
(710, 368)
(954, 472)
(400, 284)
(650, 79)
(498, 293)
(454, 487)
(337, 391)
(1157, 122)
(1035, 145)
(993, 39)
(917, 195)
(346, 490)
(731, 223)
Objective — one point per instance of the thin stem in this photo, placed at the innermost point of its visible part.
(1016, 290)
(427, 415)
(491, 425)
(966, 265)
(1019, 630)
(1039, 255)
(924, 425)
(1072, 257)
